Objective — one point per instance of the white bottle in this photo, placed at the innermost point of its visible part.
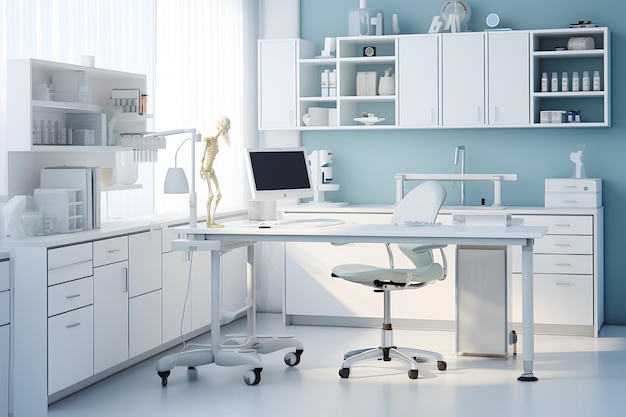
(585, 80)
(564, 82)
(555, 82)
(575, 82)
(544, 82)
(596, 81)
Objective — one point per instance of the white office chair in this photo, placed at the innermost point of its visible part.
(422, 204)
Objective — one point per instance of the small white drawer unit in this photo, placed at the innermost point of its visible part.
(70, 315)
(573, 192)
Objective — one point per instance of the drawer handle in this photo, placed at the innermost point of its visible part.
(563, 264)
(570, 201)
(72, 264)
(563, 225)
(563, 244)
(563, 283)
(69, 297)
(112, 251)
(70, 326)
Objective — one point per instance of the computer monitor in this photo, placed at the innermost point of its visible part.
(278, 173)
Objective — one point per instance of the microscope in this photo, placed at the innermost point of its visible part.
(322, 176)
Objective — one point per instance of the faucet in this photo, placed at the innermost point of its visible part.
(459, 159)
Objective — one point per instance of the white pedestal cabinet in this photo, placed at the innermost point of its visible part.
(5, 334)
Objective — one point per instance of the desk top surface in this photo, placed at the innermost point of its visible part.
(342, 233)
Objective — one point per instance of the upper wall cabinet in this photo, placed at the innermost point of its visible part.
(62, 107)
(572, 53)
(490, 79)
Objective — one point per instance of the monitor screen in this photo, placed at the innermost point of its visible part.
(277, 173)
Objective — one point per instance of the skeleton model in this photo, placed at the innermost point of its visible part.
(208, 173)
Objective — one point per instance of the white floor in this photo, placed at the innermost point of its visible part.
(578, 376)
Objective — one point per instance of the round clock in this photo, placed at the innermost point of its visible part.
(492, 20)
(369, 51)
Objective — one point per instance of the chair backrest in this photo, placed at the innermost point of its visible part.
(420, 204)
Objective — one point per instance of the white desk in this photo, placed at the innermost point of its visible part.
(220, 240)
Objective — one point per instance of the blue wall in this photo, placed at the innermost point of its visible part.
(365, 162)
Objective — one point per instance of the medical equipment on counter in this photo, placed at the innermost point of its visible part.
(322, 176)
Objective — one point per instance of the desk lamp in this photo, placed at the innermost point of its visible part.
(175, 179)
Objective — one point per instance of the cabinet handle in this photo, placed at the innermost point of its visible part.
(563, 264)
(70, 326)
(67, 265)
(112, 251)
(497, 113)
(563, 283)
(570, 201)
(432, 115)
(69, 297)
(563, 244)
(478, 114)
(125, 279)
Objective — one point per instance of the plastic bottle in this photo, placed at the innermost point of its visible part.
(544, 82)
(575, 82)
(596, 81)
(555, 82)
(564, 82)
(585, 80)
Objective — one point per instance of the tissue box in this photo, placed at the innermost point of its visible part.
(573, 192)
(366, 83)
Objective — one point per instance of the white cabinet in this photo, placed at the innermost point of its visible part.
(277, 83)
(568, 279)
(509, 78)
(29, 112)
(144, 291)
(70, 316)
(550, 56)
(5, 321)
(463, 79)
(418, 81)
(110, 275)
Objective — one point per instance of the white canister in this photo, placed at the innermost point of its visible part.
(580, 43)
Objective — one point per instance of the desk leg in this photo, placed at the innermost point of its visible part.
(216, 300)
(528, 320)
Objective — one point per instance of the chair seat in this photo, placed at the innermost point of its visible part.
(375, 277)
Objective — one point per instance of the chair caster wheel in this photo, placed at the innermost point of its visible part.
(293, 358)
(163, 376)
(442, 365)
(252, 376)
(413, 373)
(344, 372)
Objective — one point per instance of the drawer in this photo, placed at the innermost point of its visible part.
(563, 264)
(109, 251)
(565, 244)
(4, 275)
(562, 225)
(70, 296)
(70, 348)
(69, 263)
(5, 307)
(573, 185)
(573, 200)
(559, 299)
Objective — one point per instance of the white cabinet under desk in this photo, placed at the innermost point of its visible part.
(568, 262)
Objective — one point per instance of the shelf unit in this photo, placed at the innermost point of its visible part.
(431, 70)
(26, 110)
(547, 56)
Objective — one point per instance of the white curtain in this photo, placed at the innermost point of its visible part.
(199, 55)
(206, 68)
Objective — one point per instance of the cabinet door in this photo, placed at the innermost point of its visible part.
(70, 348)
(144, 323)
(509, 78)
(175, 282)
(4, 371)
(418, 80)
(277, 84)
(110, 315)
(144, 263)
(463, 71)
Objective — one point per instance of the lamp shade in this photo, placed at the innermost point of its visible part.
(176, 182)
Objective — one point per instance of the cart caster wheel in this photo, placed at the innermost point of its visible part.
(252, 376)
(344, 372)
(413, 373)
(163, 376)
(442, 365)
(293, 358)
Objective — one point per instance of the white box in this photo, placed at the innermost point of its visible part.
(70, 86)
(573, 192)
(366, 83)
